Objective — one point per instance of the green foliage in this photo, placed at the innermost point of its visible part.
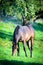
(25, 7)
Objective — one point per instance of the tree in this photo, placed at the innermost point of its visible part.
(26, 8)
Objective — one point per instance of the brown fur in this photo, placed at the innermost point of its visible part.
(23, 34)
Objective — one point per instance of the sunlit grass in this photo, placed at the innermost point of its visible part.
(6, 34)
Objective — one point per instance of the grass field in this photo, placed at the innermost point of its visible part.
(6, 35)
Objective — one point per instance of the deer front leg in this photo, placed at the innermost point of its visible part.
(25, 48)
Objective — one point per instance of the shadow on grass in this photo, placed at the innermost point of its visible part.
(38, 26)
(6, 36)
(6, 62)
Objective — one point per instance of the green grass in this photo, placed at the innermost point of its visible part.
(6, 35)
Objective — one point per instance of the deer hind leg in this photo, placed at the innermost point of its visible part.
(32, 41)
(31, 44)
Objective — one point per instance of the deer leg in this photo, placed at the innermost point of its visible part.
(18, 49)
(30, 47)
(14, 49)
(31, 44)
(28, 44)
(25, 48)
(31, 51)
